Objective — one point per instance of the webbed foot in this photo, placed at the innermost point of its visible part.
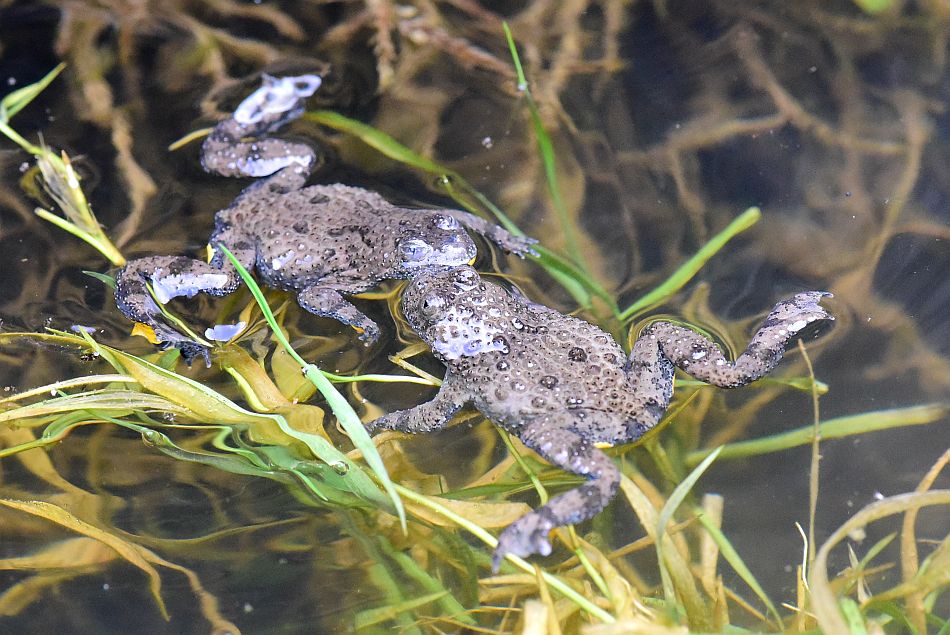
(191, 350)
(552, 439)
(798, 312)
(527, 536)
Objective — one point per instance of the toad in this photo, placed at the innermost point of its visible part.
(321, 242)
(564, 386)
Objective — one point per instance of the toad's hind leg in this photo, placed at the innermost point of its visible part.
(705, 361)
(179, 276)
(234, 148)
(567, 450)
(170, 277)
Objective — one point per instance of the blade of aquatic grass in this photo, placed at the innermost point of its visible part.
(100, 243)
(271, 462)
(804, 384)
(730, 555)
(675, 572)
(830, 429)
(486, 514)
(390, 147)
(619, 592)
(691, 267)
(120, 401)
(546, 152)
(104, 278)
(380, 571)
(910, 558)
(240, 463)
(129, 551)
(60, 181)
(69, 383)
(825, 606)
(54, 432)
(521, 463)
(814, 472)
(381, 379)
(449, 604)
(19, 99)
(574, 280)
(14, 102)
(211, 406)
(873, 7)
(553, 581)
(376, 616)
(695, 607)
(344, 413)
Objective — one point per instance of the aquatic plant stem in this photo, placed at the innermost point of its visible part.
(691, 267)
(553, 581)
(814, 470)
(546, 152)
(59, 179)
(830, 429)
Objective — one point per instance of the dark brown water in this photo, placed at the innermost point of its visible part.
(666, 126)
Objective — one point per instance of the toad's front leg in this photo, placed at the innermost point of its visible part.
(550, 437)
(328, 301)
(519, 245)
(427, 417)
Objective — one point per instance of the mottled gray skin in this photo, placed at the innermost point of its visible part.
(563, 385)
(322, 242)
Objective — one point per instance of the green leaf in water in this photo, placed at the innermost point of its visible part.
(344, 413)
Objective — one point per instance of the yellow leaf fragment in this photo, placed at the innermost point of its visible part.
(71, 553)
(485, 514)
(125, 549)
(146, 331)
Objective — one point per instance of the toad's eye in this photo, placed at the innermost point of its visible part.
(443, 221)
(306, 85)
(415, 250)
(466, 278)
(432, 305)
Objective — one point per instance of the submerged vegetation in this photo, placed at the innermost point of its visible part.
(255, 481)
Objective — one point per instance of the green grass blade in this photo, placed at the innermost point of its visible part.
(388, 146)
(692, 266)
(16, 101)
(450, 606)
(682, 490)
(546, 152)
(376, 616)
(105, 279)
(55, 432)
(830, 429)
(341, 408)
(874, 7)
